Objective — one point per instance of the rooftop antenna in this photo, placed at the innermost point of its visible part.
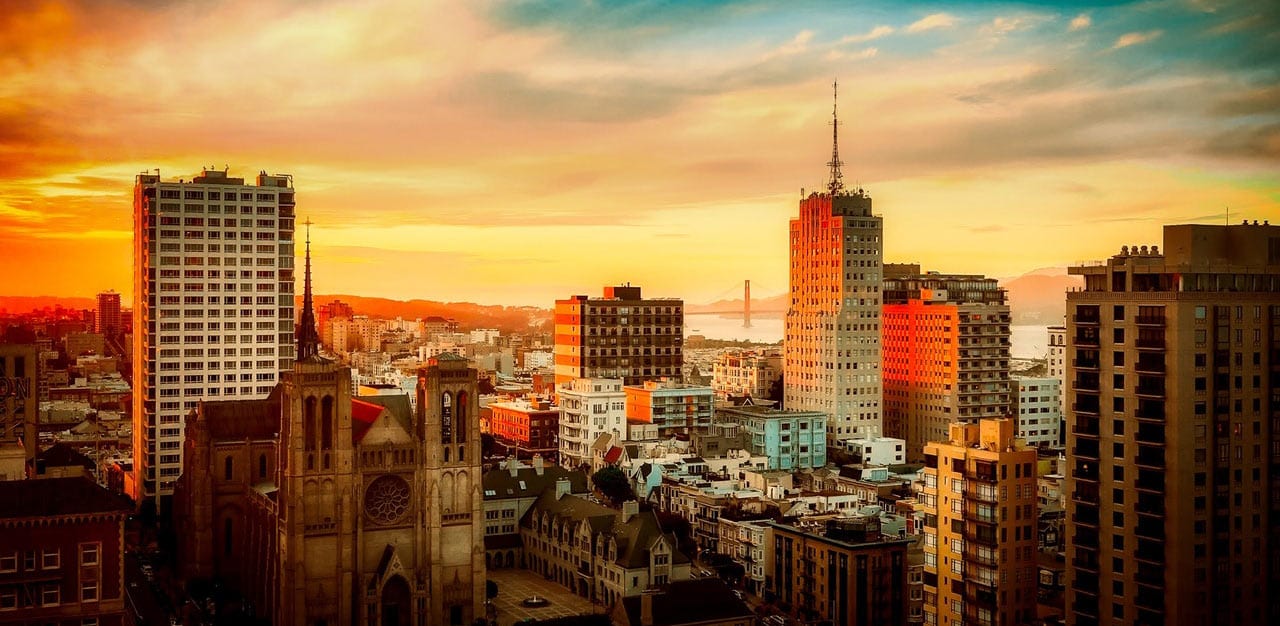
(835, 185)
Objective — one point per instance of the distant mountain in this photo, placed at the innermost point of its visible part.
(770, 304)
(1040, 296)
(469, 315)
(26, 304)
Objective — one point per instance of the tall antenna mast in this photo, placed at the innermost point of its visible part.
(836, 184)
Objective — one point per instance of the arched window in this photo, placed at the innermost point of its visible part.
(309, 423)
(226, 468)
(226, 536)
(460, 424)
(262, 466)
(326, 424)
(446, 417)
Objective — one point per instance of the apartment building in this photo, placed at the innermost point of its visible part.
(981, 527)
(1037, 407)
(946, 354)
(589, 407)
(1056, 360)
(107, 316)
(846, 573)
(792, 440)
(620, 335)
(1174, 438)
(672, 406)
(746, 373)
(213, 313)
(528, 427)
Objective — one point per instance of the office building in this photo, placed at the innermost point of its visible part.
(831, 354)
(672, 406)
(946, 354)
(621, 335)
(848, 574)
(1037, 407)
(212, 305)
(1174, 432)
(981, 527)
(746, 373)
(589, 407)
(61, 553)
(108, 314)
(791, 440)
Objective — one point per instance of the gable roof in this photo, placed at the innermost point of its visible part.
(363, 416)
(229, 420)
(636, 537)
(62, 455)
(613, 455)
(528, 483)
(695, 601)
(397, 404)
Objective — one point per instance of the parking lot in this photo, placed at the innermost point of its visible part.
(514, 585)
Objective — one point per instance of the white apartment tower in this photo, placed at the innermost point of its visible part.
(832, 342)
(589, 407)
(212, 305)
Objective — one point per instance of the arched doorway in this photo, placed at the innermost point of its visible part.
(396, 602)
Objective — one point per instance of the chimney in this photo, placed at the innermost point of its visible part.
(513, 466)
(646, 608)
(563, 487)
(537, 464)
(630, 508)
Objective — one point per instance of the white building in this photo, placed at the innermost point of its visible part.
(212, 305)
(588, 408)
(538, 359)
(745, 373)
(485, 335)
(1037, 405)
(1057, 364)
(878, 450)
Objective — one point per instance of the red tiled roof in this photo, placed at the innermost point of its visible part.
(363, 415)
(613, 455)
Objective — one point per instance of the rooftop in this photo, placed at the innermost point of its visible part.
(52, 497)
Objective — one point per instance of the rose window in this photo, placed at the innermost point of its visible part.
(387, 499)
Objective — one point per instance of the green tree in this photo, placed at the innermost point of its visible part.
(611, 482)
(776, 391)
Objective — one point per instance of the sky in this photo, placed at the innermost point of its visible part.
(519, 152)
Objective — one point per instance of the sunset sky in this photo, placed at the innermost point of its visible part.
(521, 152)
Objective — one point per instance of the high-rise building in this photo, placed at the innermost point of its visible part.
(108, 314)
(1056, 362)
(1174, 432)
(981, 526)
(1037, 405)
(831, 360)
(212, 305)
(946, 354)
(621, 335)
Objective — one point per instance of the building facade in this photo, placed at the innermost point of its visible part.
(621, 335)
(1056, 362)
(746, 373)
(1174, 438)
(946, 355)
(1037, 405)
(589, 407)
(528, 427)
(847, 574)
(19, 410)
(673, 407)
(981, 527)
(212, 305)
(792, 440)
(107, 322)
(61, 553)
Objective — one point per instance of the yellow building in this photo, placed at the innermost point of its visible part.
(979, 496)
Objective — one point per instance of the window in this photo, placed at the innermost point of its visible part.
(51, 595)
(88, 554)
(51, 559)
(9, 563)
(89, 591)
(8, 599)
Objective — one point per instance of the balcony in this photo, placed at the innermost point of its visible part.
(1151, 457)
(1086, 318)
(1087, 564)
(1150, 551)
(1086, 449)
(1150, 343)
(1150, 390)
(1085, 364)
(1086, 339)
(1086, 494)
(1150, 320)
(985, 515)
(980, 534)
(1150, 480)
(1149, 366)
(1085, 515)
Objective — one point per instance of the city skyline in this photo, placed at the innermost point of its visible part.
(474, 144)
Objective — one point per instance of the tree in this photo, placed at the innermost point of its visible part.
(488, 445)
(611, 482)
(776, 391)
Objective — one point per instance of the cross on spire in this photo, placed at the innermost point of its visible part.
(836, 183)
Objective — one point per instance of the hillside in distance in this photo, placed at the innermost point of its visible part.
(1039, 297)
(18, 305)
(769, 304)
(468, 314)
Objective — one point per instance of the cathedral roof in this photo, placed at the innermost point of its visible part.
(243, 419)
(363, 416)
(398, 405)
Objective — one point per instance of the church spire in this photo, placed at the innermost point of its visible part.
(308, 339)
(836, 184)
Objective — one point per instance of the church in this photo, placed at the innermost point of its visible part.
(325, 509)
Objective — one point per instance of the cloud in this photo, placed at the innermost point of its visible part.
(1135, 38)
(865, 53)
(1080, 22)
(875, 33)
(930, 22)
